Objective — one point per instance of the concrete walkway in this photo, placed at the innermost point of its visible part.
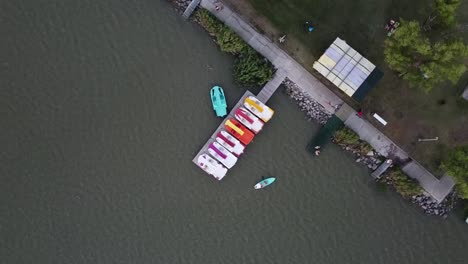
(280, 59)
(438, 189)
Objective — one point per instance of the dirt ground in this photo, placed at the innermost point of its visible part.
(411, 114)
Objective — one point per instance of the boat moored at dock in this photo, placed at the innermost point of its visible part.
(230, 143)
(222, 155)
(231, 138)
(239, 131)
(258, 108)
(248, 119)
(211, 166)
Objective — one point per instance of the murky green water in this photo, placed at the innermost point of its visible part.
(103, 105)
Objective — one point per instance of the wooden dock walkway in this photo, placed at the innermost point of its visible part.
(382, 169)
(264, 95)
(204, 149)
(192, 6)
(270, 87)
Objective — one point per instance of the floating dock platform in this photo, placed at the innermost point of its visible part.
(204, 149)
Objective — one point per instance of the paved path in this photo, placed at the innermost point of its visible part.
(280, 59)
(438, 189)
(318, 91)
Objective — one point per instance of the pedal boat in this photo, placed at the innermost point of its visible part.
(222, 155)
(219, 101)
(230, 143)
(258, 108)
(211, 166)
(239, 131)
(248, 119)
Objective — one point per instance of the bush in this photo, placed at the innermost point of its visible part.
(365, 148)
(208, 21)
(252, 69)
(229, 42)
(346, 136)
(403, 184)
(456, 165)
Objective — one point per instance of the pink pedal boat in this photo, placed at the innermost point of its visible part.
(248, 119)
(222, 155)
(230, 143)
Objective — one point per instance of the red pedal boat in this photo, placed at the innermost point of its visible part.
(239, 131)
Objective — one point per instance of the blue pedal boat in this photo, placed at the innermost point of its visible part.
(219, 101)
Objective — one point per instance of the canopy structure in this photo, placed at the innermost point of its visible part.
(348, 70)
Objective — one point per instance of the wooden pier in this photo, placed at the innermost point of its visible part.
(264, 95)
(271, 86)
(191, 7)
(204, 149)
(381, 169)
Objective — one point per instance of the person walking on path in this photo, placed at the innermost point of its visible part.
(359, 113)
(218, 6)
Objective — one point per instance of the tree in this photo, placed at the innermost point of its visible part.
(443, 14)
(422, 63)
(445, 11)
(252, 69)
(456, 165)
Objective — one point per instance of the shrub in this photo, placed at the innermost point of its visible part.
(251, 68)
(365, 148)
(208, 21)
(229, 42)
(346, 136)
(403, 184)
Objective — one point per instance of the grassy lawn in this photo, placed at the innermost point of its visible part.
(411, 114)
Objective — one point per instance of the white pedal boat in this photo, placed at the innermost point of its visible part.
(248, 119)
(230, 143)
(222, 155)
(258, 108)
(211, 166)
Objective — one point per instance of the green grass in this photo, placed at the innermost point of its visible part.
(411, 114)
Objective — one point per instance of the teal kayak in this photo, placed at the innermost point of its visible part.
(219, 101)
(264, 183)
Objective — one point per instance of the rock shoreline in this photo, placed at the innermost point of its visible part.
(312, 109)
(372, 159)
(315, 111)
(431, 207)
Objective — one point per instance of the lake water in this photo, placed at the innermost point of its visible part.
(104, 103)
